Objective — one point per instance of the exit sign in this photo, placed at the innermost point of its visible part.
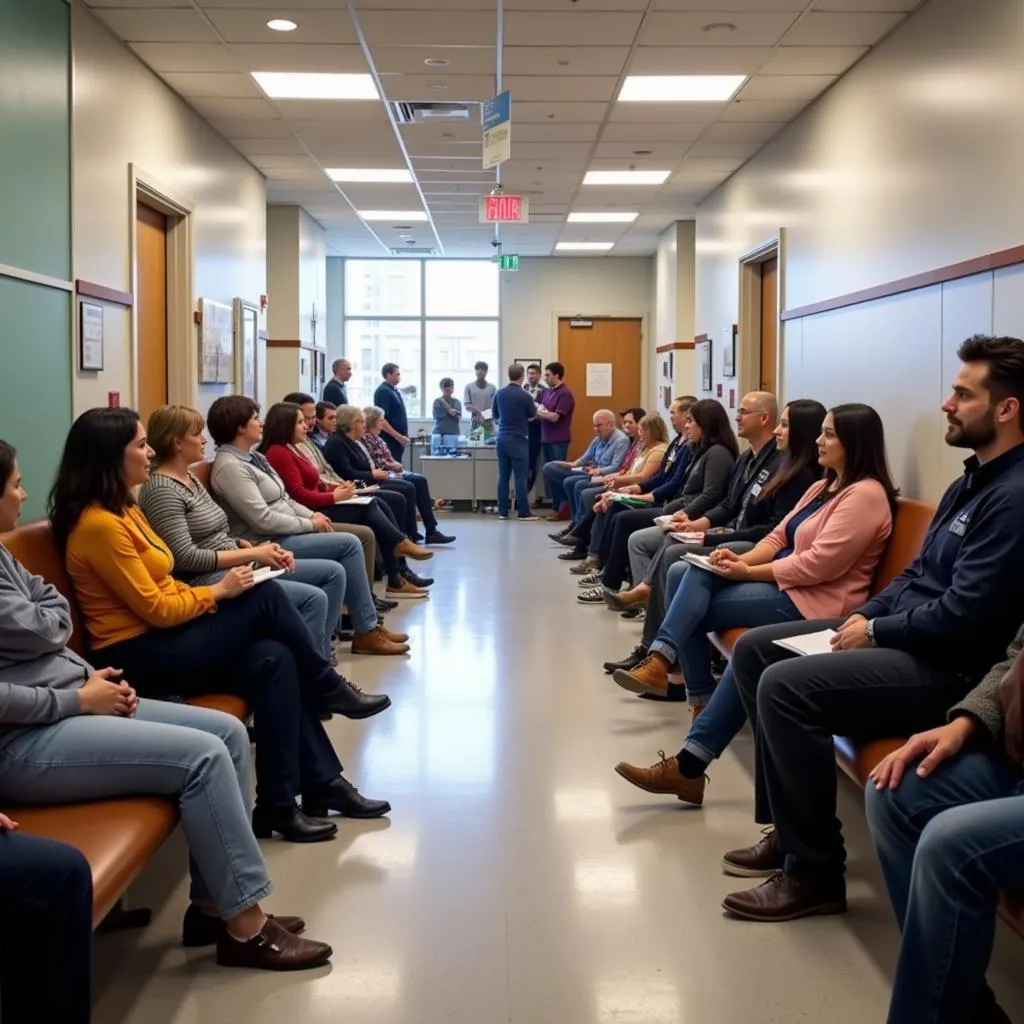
(508, 261)
(504, 209)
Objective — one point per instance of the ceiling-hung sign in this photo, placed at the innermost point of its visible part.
(496, 120)
(502, 208)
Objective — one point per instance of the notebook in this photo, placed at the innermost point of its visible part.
(663, 521)
(809, 643)
(265, 573)
(702, 562)
(688, 538)
(628, 499)
(355, 501)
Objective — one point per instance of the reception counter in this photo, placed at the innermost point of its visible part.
(472, 475)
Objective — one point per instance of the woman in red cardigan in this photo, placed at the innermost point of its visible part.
(283, 432)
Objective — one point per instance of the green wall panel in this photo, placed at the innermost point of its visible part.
(35, 118)
(35, 385)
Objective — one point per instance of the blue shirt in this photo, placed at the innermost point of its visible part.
(389, 398)
(608, 455)
(513, 409)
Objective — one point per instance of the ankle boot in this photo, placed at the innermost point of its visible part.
(291, 825)
(348, 700)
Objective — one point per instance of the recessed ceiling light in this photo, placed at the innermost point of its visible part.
(602, 218)
(396, 216)
(282, 25)
(642, 152)
(680, 88)
(626, 177)
(311, 85)
(439, 86)
(436, 62)
(381, 176)
(584, 246)
(719, 28)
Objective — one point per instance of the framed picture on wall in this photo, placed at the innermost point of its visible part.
(703, 349)
(729, 351)
(90, 336)
(246, 329)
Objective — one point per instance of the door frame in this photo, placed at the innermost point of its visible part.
(182, 359)
(748, 342)
(646, 387)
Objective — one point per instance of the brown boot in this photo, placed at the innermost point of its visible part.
(273, 949)
(664, 777)
(650, 676)
(407, 549)
(395, 638)
(376, 642)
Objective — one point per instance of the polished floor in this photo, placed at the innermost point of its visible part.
(518, 879)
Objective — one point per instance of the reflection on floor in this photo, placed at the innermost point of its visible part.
(518, 878)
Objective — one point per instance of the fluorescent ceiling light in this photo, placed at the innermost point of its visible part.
(626, 177)
(398, 216)
(282, 25)
(680, 88)
(384, 176)
(584, 246)
(308, 85)
(602, 218)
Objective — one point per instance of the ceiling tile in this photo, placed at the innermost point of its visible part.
(826, 28)
(158, 25)
(429, 28)
(250, 26)
(545, 113)
(457, 88)
(686, 29)
(700, 113)
(762, 110)
(740, 150)
(741, 131)
(554, 132)
(331, 110)
(786, 87)
(567, 28)
(275, 7)
(665, 153)
(653, 131)
(442, 131)
(541, 151)
(235, 129)
(875, 5)
(698, 60)
(812, 60)
(99, 4)
(299, 57)
(565, 60)
(257, 147)
(538, 89)
(462, 60)
(210, 108)
(184, 56)
(213, 83)
(728, 6)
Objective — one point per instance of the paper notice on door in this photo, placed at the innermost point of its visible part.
(599, 380)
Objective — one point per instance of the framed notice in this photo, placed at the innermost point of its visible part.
(729, 351)
(246, 331)
(703, 349)
(216, 343)
(90, 336)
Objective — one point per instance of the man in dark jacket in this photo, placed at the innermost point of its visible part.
(336, 389)
(396, 420)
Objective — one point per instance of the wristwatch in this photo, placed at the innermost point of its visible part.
(869, 632)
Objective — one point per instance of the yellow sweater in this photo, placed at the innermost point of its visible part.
(121, 571)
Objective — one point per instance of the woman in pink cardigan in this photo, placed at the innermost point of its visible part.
(817, 563)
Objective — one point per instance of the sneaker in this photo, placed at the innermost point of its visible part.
(629, 613)
(406, 591)
(585, 568)
(592, 596)
(592, 579)
(503, 518)
(529, 519)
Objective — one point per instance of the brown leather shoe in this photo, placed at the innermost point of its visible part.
(273, 949)
(406, 591)
(561, 516)
(758, 861)
(395, 638)
(784, 898)
(664, 777)
(199, 929)
(377, 642)
(407, 549)
(650, 676)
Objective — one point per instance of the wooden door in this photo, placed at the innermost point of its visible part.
(769, 323)
(151, 347)
(613, 340)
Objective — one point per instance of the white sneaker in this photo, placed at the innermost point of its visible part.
(529, 519)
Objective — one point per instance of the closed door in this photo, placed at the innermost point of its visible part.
(151, 346)
(769, 323)
(587, 353)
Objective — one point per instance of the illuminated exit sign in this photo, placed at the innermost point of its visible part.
(504, 209)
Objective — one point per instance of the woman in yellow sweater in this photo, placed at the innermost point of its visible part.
(171, 639)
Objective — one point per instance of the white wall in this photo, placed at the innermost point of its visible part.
(674, 301)
(911, 162)
(123, 114)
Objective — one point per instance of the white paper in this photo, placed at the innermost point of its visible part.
(702, 562)
(487, 415)
(354, 501)
(665, 522)
(688, 538)
(599, 380)
(809, 643)
(265, 573)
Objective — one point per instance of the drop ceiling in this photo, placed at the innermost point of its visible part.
(564, 63)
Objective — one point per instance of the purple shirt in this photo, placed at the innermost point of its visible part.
(558, 400)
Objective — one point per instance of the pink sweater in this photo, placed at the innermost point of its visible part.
(836, 552)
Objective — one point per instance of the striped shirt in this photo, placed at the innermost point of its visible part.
(190, 523)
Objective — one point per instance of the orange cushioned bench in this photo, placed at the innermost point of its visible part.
(117, 837)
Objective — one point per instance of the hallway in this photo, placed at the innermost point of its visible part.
(518, 878)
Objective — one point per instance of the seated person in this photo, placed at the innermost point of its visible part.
(322, 420)
(767, 481)
(947, 817)
(46, 930)
(258, 505)
(447, 413)
(598, 485)
(382, 459)
(604, 456)
(170, 639)
(69, 733)
(819, 561)
(195, 528)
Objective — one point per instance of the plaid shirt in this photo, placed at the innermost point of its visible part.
(379, 452)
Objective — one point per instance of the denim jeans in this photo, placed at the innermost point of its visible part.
(574, 486)
(533, 455)
(45, 931)
(948, 843)
(555, 479)
(706, 602)
(345, 550)
(555, 451)
(197, 757)
(513, 460)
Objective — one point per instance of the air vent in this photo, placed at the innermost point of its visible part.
(415, 250)
(418, 113)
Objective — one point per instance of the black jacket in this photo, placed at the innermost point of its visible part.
(761, 517)
(348, 459)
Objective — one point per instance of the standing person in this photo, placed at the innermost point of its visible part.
(513, 410)
(396, 419)
(336, 389)
(555, 405)
(479, 394)
(447, 414)
(533, 387)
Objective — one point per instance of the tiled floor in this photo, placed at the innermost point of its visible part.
(518, 879)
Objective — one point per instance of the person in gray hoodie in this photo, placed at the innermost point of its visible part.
(71, 733)
(950, 836)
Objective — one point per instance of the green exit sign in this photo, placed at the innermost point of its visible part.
(508, 261)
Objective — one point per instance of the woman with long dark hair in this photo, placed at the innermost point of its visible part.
(175, 640)
(70, 733)
(817, 563)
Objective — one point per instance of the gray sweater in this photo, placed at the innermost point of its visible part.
(706, 484)
(982, 703)
(39, 676)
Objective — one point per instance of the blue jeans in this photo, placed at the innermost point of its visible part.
(513, 459)
(346, 551)
(574, 487)
(196, 757)
(706, 602)
(555, 451)
(948, 843)
(555, 480)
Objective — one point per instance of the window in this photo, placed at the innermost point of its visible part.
(434, 318)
